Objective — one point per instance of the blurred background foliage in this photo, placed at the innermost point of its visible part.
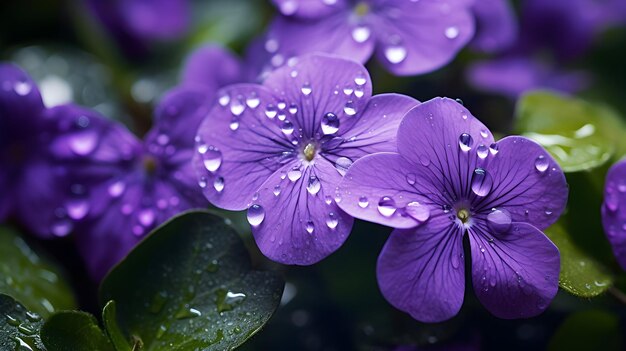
(336, 305)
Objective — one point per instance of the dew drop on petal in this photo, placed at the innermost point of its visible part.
(452, 32)
(360, 34)
(234, 124)
(253, 101)
(276, 190)
(349, 108)
(395, 53)
(146, 217)
(499, 220)
(218, 184)
(237, 107)
(294, 174)
(541, 163)
(287, 128)
(493, 148)
(212, 159)
(116, 189)
(342, 164)
(310, 227)
(386, 206)
(306, 89)
(330, 123)
(22, 88)
(360, 80)
(62, 228)
(411, 178)
(224, 99)
(77, 209)
(83, 143)
(417, 211)
(481, 182)
(314, 185)
(363, 202)
(465, 142)
(332, 220)
(482, 151)
(270, 111)
(256, 215)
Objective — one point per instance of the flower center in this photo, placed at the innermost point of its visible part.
(362, 9)
(150, 164)
(309, 152)
(463, 214)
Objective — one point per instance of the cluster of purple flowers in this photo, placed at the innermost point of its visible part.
(307, 148)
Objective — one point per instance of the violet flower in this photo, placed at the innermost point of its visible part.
(614, 210)
(280, 150)
(449, 178)
(409, 37)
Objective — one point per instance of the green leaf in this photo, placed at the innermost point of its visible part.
(30, 278)
(588, 330)
(110, 323)
(74, 331)
(189, 285)
(578, 134)
(581, 274)
(19, 328)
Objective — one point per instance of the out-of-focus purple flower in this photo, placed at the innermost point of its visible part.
(408, 37)
(551, 34)
(449, 178)
(139, 22)
(496, 26)
(134, 186)
(210, 67)
(280, 149)
(614, 210)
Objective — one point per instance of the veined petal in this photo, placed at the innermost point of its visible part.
(421, 271)
(614, 210)
(295, 219)
(515, 274)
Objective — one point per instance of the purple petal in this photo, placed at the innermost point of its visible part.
(160, 19)
(309, 9)
(20, 101)
(496, 25)
(295, 220)
(322, 84)
(515, 274)
(421, 271)
(379, 188)
(375, 130)
(210, 68)
(415, 37)
(515, 75)
(430, 138)
(614, 210)
(528, 182)
(239, 146)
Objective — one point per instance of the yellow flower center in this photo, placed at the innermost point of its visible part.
(309, 151)
(463, 214)
(362, 9)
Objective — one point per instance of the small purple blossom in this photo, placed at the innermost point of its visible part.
(449, 178)
(614, 210)
(408, 37)
(280, 150)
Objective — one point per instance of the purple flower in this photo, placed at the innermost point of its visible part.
(449, 178)
(614, 210)
(409, 37)
(496, 26)
(280, 150)
(132, 186)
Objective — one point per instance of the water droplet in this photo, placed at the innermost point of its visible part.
(227, 300)
(330, 123)
(417, 211)
(218, 184)
(342, 164)
(360, 34)
(83, 143)
(253, 101)
(363, 203)
(424, 160)
(22, 88)
(314, 185)
(237, 107)
(146, 217)
(187, 312)
(77, 209)
(493, 148)
(481, 182)
(224, 99)
(395, 53)
(287, 128)
(332, 220)
(482, 151)
(310, 227)
(484, 133)
(465, 142)
(499, 220)
(256, 215)
(212, 159)
(271, 111)
(411, 178)
(62, 228)
(452, 32)
(386, 206)
(541, 163)
(234, 124)
(306, 89)
(360, 80)
(349, 108)
(294, 174)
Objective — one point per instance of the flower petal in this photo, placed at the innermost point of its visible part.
(515, 274)
(496, 25)
(614, 210)
(421, 271)
(378, 188)
(241, 142)
(294, 219)
(375, 130)
(20, 102)
(415, 37)
(442, 139)
(156, 19)
(211, 67)
(320, 84)
(308, 9)
(527, 182)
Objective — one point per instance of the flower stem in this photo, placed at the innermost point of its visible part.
(618, 294)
